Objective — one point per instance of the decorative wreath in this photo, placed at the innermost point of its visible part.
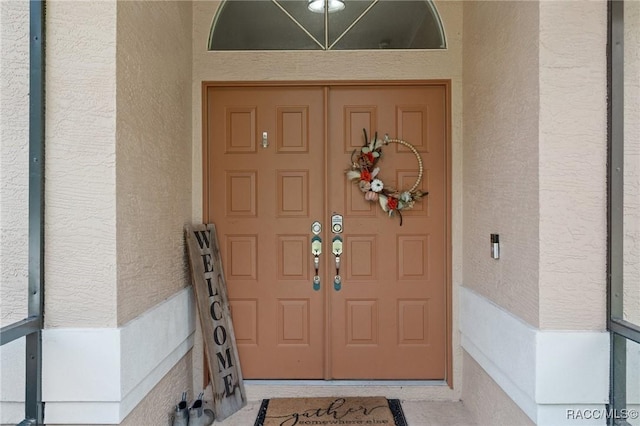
(364, 171)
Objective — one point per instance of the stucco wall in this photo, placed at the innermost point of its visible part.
(153, 151)
(535, 118)
(340, 65)
(501, 111)
(80, 194)
(14, 209)
(14, 155)
(486, 401)
(572, 165)
(152, 176)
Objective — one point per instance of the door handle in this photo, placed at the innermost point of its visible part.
(316, 251)
(336, 248)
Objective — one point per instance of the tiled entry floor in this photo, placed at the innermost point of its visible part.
(418, 413)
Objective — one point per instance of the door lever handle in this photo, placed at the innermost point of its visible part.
(337, 252)
(316, 251)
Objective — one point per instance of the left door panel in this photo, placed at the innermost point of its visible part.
(265, 162)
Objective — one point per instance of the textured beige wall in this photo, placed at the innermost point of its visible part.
(339, 65)
(572, 174)
(80, 197)
(535, 119)
(486, 401)
(153, 151)
(501, 153)
(131, 103)
(14, 203)
(14, 159)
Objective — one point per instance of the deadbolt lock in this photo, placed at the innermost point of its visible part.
(336, 224)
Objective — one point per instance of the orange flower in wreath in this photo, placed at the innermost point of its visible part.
(392, 203)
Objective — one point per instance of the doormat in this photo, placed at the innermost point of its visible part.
(330, 411)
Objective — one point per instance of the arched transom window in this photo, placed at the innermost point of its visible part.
(326, 25)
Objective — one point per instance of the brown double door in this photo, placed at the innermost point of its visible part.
(275, 161)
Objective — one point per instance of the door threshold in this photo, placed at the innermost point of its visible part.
(417, 390)
(345, 382)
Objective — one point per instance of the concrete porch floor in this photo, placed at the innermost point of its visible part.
(418, 413)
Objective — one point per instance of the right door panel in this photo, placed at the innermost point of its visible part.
(388, 320)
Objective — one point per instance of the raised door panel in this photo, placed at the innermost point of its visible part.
(241, 193)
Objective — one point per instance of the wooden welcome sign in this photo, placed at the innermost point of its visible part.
(215, 316)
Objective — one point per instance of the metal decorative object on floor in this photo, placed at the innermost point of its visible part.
(210, 290)
(375, 410)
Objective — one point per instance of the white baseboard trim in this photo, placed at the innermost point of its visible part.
(546, 373)
(99, 375)
(11, 413)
